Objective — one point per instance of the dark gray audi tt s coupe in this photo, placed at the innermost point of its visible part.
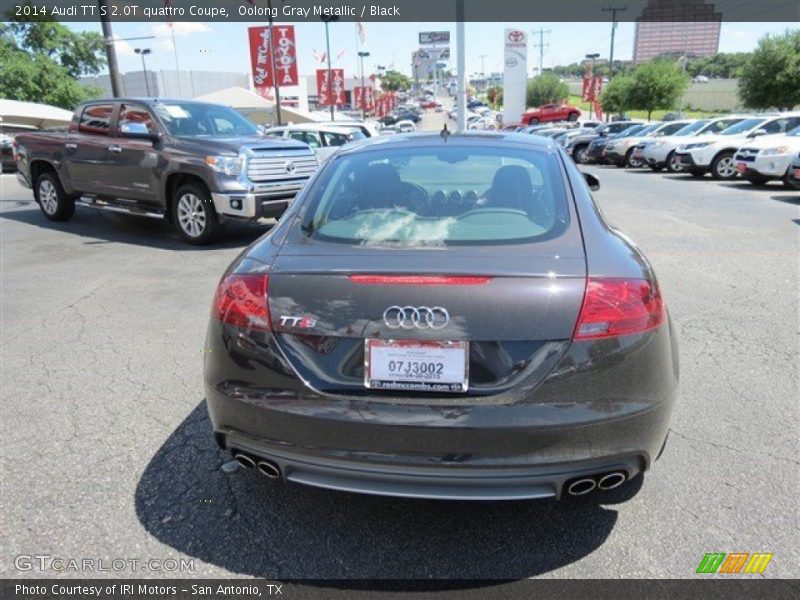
(443, 316)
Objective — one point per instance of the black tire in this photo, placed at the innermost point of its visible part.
(673, 166)
(755, 178)
(572, 117)
(579, 154)
(54, 202)
(631, 162)
(722, 167)
(533, 121)
(656, 167)
(787, 180)
(194, 215)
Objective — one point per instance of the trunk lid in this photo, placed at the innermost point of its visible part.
(517, 321)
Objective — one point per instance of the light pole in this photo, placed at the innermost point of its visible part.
(144, 52)
(111, 53)
(361, 56)
(327, 19)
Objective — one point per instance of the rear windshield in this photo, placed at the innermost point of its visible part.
(447, 195)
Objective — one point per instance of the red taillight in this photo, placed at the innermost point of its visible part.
(614, 307)
(420, 279)
(241, 300)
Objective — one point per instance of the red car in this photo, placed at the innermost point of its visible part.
(551, 112)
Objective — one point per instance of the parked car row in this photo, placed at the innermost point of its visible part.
(759, 148)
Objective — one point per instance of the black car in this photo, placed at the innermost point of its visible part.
(443, 316)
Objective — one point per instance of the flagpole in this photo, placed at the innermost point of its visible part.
(177, 66)
(272, 60)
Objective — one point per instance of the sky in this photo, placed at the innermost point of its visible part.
(224, 47)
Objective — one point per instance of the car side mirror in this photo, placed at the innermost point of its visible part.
(137, 131)
(758, 132)
(592, 181)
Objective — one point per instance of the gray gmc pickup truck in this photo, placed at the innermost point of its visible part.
(193, 163)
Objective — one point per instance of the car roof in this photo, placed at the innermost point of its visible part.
(464, 138)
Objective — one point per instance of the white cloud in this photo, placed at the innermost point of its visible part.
(181, 28)
(122, 47)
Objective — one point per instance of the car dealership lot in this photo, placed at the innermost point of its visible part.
(107, 451)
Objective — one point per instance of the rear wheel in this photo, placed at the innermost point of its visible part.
(572, 117)
(52, 198)
(533, 121)
(194, 215)
(673, 164)
(722, 166)
(630, 161)
(579, 154)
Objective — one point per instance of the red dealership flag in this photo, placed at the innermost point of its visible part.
(330, 92)
(261, 47)
(363, 97)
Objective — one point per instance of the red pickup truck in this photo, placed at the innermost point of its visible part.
(551, 112)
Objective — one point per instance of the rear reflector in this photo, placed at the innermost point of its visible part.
(241, 300)
(419, 279)
(614, 307)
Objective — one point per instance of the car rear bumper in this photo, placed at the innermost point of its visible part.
(611, 415)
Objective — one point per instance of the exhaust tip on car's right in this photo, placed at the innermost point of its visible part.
(602, 481)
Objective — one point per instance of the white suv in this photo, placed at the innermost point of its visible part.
(660, 153)
(768, 158)
(715, 153)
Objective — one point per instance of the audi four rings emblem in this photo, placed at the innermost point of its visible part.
(420, 317)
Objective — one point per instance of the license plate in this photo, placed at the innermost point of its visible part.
(741, 167)
(413, 365)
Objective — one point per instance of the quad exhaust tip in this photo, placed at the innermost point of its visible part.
(244, 460)
(581, 487)
(269, 469)
(607, 481)
(612, 480)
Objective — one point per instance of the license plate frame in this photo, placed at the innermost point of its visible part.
(456, 353)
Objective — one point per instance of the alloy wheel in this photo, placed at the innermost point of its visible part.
(725, 167)
(191, 215)
(48, 197)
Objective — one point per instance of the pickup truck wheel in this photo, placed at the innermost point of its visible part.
(194, 215)
(572, 117)
(52, 198)
(533, 121)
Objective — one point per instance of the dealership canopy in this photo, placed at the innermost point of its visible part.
(30, 114)
(255, 107)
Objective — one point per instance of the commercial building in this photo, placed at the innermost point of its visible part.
(677, 28)
(171, 83)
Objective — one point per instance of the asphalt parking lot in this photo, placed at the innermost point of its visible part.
(107, 449)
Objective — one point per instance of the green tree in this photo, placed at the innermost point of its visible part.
(495, 94)
(545, 89)
(616, 97)
(42, 61)
(657, 85)
(772, 77)
(395, 81)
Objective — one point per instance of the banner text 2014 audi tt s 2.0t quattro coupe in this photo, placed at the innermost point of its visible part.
(443, 316)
